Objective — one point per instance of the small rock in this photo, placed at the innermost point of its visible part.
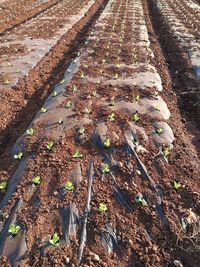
(178, 263)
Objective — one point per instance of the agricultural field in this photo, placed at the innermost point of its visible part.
(100, 133)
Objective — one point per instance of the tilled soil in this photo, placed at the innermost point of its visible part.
(13, 13)
(118, 65)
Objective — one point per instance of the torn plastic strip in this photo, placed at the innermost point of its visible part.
(69, 218)
(87, 211)
(109, 239)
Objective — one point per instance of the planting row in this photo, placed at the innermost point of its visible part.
(23, 47)
(13, 12)
(183, 18)
(89, 188)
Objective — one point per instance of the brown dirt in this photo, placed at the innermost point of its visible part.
(55, 167)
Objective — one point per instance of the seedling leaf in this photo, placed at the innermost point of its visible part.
(14, 229)
(36, 180)
(77, 154)
(55, 240)
(69, 186)
(102, 207)
(3, 185)
(18, 156)
(30, 131)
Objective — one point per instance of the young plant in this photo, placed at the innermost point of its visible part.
(136, 117)
(69, 186)
(69, 104)
(62, 81)
(60, 121)
(159, 131)
(107, 143)
(102, 207)
(36, 180)
(13, 229)
(75, 89)
(88, 111)
(18, 156)
(30, 131)
(7, 82)
(137, 98)
(166, 152)
(140, 200)
(55, 93)
(177, 185)
(43, 110)
(50, 145)
(82, 75)
(81, 130)
(111, 117)
(105, 168)
(77, 154)
(55, 241)
(3, 185)
(157, 108)
(94, 93)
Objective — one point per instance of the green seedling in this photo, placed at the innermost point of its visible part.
(69, 104)
(94, 93)
(177, 185)
(82, 75)
(55, 241)
(136, 117)
(7, 82)
(60, 121)
(107, 143)
(3, 185)
(75, 89)
(105, 168)
(140, 200)
(18, 156)
(166, 152)
(112, 103)
(137, 98)
(116, 76)
(102, 207)
(36, 180)
(88, 111)
(55, 93)
(69, 186)
(159, 131)
(157, 108)
(43, 110)
(111, 117)
(103, 61)
(62, 81)
(13, 229)
(77, 154)
(81, 130)
(18, 71)
(30, 131)
(50, 145)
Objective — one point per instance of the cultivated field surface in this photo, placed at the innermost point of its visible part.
(100, 133)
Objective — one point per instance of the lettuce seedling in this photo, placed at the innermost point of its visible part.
(102, 207)
(43, 110)
(18, 156)
(140, 200)
(55, 93)
(136, 117)
(105, 168)
(82, 75)
(88, 111)
(62, 81)
(103, 61)
(111, 117)
(30, 131)
(60, 121)
(107, 143)
(55, 241)
(81, 130)
(69, 186)
(3, 185)
(13, 229)
(176, 185)
(77, 154)
(157, 108)
(116, 76)
(36, 180)
(166, 152)
(50, 145)
(159, 131)
(7, 82)
(94, 93)
(69, 104)
(137, 98)
(75, 89)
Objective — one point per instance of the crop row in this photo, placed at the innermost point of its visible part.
(90, 162)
